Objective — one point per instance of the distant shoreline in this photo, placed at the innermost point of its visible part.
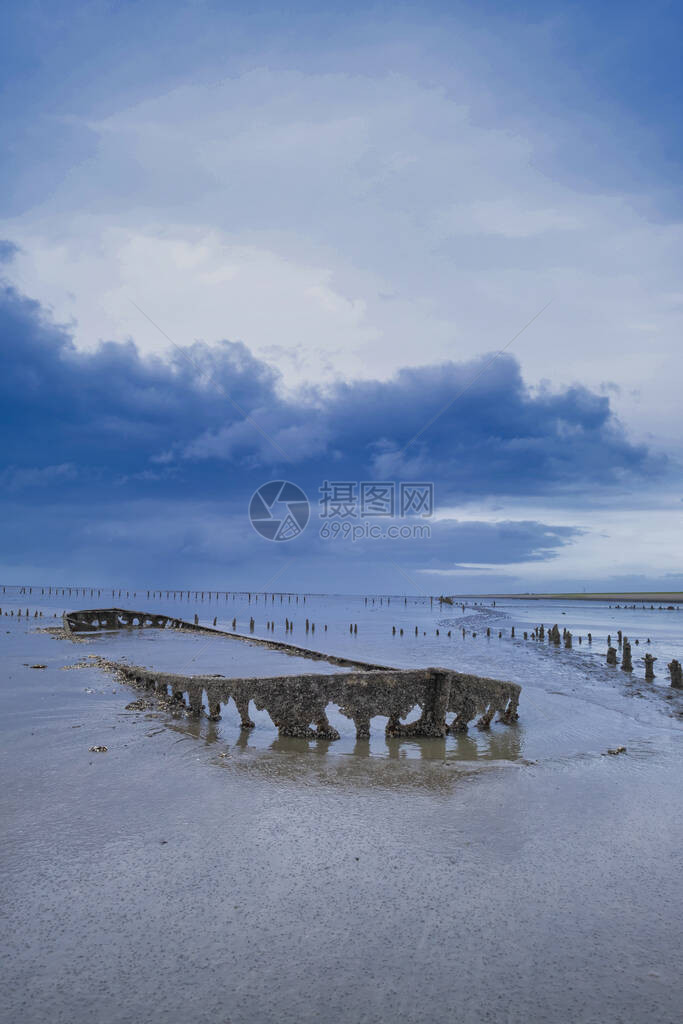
(673, 597)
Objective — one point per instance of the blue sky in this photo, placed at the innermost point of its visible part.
(259, 243)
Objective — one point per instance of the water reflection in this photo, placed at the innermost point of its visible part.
(499, 744)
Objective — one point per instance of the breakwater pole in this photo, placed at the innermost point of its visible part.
(649, 666)
(626, 663)
(554, 635)
(676, 674)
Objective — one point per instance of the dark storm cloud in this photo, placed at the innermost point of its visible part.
(121, 420)
(128, 463)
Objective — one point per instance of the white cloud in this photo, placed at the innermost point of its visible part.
(629, 538)
(17, 479)
(343, 224)
(194, 286)
(510, 219)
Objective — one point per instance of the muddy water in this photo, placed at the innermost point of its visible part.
(198, 873)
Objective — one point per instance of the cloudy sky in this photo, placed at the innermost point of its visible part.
(247, 243)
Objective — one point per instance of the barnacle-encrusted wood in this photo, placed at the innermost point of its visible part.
(92, 620)
(297, 703)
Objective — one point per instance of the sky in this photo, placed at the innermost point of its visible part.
(434, 244)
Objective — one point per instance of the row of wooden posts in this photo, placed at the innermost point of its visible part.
(176, 595)
(624, 643)
(539, 633)
(20, 614)
(201, 595)
(555, 637)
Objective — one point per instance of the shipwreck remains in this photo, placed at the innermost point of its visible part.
(297, 703)
(105, 619)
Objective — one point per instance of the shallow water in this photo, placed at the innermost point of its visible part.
(195, 872)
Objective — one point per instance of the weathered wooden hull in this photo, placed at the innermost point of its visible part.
(297, 703)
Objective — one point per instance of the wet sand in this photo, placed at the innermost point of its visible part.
(195, 873)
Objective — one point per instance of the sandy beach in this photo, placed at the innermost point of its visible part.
(195, 872)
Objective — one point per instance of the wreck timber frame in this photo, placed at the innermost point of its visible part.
(297, 704)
